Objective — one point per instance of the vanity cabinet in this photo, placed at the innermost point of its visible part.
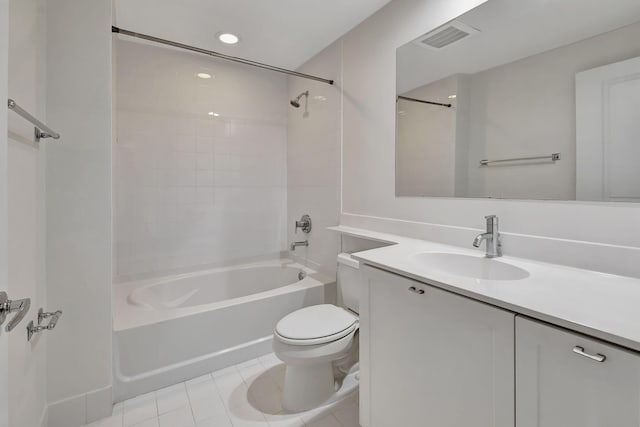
(569, 380)
(434, 358)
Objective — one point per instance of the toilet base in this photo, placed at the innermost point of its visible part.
(307, 386)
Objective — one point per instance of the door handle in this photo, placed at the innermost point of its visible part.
(597, 357)
(19, 306)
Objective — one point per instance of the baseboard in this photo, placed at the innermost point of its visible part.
(81, 409)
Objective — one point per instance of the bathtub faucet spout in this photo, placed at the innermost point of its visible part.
(294, 245)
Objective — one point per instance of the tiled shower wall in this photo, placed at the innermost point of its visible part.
(193, 189)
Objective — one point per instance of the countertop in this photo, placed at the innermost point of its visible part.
(601, 305)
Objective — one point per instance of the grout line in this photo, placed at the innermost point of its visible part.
(193, 416)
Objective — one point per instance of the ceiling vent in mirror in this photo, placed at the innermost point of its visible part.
(446, 35)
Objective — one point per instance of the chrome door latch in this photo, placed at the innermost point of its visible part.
(32, 329)
(18, 306)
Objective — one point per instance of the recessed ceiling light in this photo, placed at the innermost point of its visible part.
(228, 38)
(452, 96)
(211, 113)
(204, 75)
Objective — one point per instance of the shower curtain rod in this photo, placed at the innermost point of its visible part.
(406, 98)
(218, 55)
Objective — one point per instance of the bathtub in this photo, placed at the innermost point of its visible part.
(170, 329)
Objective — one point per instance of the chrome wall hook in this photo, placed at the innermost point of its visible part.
(32, 329)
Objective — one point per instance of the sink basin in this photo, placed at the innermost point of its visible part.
(470, 266)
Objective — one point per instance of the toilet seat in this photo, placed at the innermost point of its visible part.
(318, 324)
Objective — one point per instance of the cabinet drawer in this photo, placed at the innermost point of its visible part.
(564, 379)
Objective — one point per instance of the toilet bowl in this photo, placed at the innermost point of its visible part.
(313, 340)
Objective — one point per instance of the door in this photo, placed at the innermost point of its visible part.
(436, 358)
(608, 132)
(569, 380)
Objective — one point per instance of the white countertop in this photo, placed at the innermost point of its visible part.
(602, 305)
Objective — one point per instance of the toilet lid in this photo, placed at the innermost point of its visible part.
(316, 324)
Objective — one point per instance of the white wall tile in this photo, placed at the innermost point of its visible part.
(192, 189)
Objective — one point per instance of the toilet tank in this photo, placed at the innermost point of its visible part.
(349, 282)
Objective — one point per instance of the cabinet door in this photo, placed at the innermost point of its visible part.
(562, 380)
(436, 359)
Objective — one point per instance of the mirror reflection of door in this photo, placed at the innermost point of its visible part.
(608, 132)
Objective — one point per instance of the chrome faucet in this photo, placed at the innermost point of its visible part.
(294, 245)
(492, 236)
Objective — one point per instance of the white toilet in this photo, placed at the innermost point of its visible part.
(312, 340)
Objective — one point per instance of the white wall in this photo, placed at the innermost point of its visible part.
(4, 72)
(604, 237)
(27, 210)
(192, 189)
(79, 234)
(313, 160)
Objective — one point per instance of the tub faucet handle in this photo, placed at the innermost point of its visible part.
(304, 224)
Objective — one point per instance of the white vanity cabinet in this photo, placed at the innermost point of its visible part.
(565, 379)
(434, 358)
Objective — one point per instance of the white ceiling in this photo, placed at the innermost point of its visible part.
(511, 30)
(284, 33)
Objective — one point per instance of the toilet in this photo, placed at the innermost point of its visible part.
(313, 341)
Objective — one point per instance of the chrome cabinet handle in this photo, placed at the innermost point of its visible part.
(597, 357)
(416, 290)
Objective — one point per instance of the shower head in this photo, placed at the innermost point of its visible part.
(296, 102)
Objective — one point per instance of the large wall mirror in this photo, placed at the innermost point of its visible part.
(536, 99)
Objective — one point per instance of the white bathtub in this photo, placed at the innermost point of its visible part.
(170, 329)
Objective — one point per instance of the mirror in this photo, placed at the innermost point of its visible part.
(536, 99)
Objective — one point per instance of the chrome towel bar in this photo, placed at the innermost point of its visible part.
(41, 130)
(553, 157)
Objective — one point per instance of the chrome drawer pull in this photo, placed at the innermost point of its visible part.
(416, 290)
(597, 357)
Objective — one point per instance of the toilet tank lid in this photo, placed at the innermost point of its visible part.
(316, 321)
(346, 259)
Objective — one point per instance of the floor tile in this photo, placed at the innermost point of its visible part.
(153, 422)
(225, 371)
(140, 408)
(206, 401)
(347, 414)
(114, 420)
(269, 360)
(248, 373)
(327, 421)
(178, 418)
(172, 398)
(215, 422)
(241, 412)
(199, 379)
(284, 420)
(245, 395)
(228, 383)
(248, 363)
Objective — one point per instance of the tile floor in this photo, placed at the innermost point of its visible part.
(244, 395)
